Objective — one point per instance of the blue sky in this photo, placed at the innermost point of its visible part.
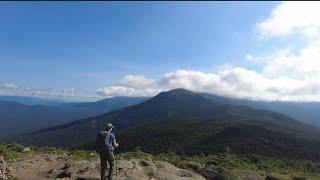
(93, 46)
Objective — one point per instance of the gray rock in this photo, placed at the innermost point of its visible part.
(184, 173)
(49, 158)
(144, 163)
(9, 169)
(194, 165)
(3, 176)
(3, 164)
(211, 169)
(26, 149)
(65, 174)
(9, 172)
(5, 171)
(82, 170)
(3, 167)
(86, 178)
(269, 177)
(52, 171)
(66, 166)
(31, 161)
(1, 159)
(12, 160)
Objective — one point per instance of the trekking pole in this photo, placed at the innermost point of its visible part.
(116, 165)
(116, 157)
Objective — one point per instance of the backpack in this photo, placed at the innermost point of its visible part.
(102, 142)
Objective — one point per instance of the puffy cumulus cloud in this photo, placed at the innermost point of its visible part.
(302, 64)
(288, 18)
(292, 17)
(137, 81)
(232, 82)
(293, 76)
(243, 83)
(187, 79)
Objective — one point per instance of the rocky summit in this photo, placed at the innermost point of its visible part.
(52, 166)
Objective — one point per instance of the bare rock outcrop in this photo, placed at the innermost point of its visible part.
(126, 169)
(5, 170)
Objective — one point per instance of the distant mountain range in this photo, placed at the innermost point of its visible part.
(17, 118)
(307, 112)
(32, 100)
(174, 103)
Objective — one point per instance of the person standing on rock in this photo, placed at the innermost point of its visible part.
(105, 144)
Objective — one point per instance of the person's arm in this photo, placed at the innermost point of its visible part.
(115, 144)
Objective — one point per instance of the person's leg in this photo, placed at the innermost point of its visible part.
(110, 159)
(103, 159)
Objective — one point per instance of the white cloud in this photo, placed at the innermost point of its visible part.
(193, 80)
(9, 86)
(11, 89)
(125, 91)
(305, 64)
(136, 81)
(233, 82)
(292, 17)
(248, 57)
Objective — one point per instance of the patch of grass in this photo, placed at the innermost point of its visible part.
(13, 151)
(83, 155)
(13, 178)
(137, 153)
(233, 165)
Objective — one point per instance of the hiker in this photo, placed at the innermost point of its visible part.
(105, 144)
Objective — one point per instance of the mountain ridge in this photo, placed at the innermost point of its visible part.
(17, 118)
(306, 112)
(174, 103)
(210, 136)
